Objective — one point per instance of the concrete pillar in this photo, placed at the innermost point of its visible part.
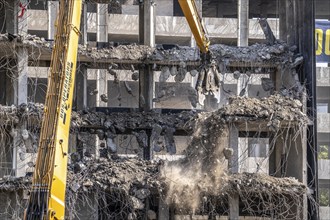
(2, 20)
(163, 210)
(20, 96)
(81, 87)
(242, 85)
(53, 7)
(282, 20)
(147, 27)
(83, 25)
(102, 25)
(3, 79)
(102, 40)
(290, 22)
(243, 23)
(234, 168)
(233, 207)
(243, 40)
(147, 23)
(147, 20)
(11, 16)
(81, 76)
(21, 82)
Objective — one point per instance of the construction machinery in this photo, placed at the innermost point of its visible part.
(208, 82)
(47, 196)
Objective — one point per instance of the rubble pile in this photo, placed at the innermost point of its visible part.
(130, 174)
(202, 173)
(275, 109)
(121, 121)
(263, 183)
(274, 55)
(277, 54)
(14, 115)
(121, 52)
(205, 167)
(134, 179)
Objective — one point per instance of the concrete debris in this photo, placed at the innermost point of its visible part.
(193, 73)
(181, 74)
(228, 153)
(202, 173)
(270, 38)
(154, 139)
(135, 75)
(203, 170)
(273, 55)
(112, 147)
(128, 88)
(174, 71)
(141, 138)
(267, 84)
(165, 74)
(284, 109)
(169, 140)
(104, 98)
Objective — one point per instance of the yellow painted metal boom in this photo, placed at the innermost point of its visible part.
(47, 197)
(195, 23)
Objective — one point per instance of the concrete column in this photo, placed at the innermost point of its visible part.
(81, 87)
(102, 40)
(290, 22)
(11, 16)
(81, 76)
(192, 41)
(243, 23)
(242, 85)
(21, 82)
(147, 27)
(233, 207)
(53, 7)
(243, 40)
(83, 26)
(234, 168)
(282, 19)
(147, 23)
(147, 20)
(163, 210)
(102, 25)
(101, 78)
(20, 96)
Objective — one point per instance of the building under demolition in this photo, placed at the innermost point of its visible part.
(145, 143)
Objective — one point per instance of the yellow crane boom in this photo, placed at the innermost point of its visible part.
(47, 197)
(196, 24)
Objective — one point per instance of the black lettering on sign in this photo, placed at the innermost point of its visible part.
(66, 91)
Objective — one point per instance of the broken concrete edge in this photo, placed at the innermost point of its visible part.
(114, 176)
(204, 164)
(275, 111)
(255, 55)
(135, 180)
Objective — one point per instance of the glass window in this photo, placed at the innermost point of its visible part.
(322, 107)
(323, 151)
(324, 196)
(258, 147)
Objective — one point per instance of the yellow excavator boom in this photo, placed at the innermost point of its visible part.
(196, 24)
(47, 196)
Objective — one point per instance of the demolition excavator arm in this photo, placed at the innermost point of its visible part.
(208, 82)
(47, 196)
(195, 22)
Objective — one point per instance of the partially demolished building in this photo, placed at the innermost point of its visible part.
(144, 143)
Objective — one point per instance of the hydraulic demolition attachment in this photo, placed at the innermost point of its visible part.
(208, 82)
(47, 196)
